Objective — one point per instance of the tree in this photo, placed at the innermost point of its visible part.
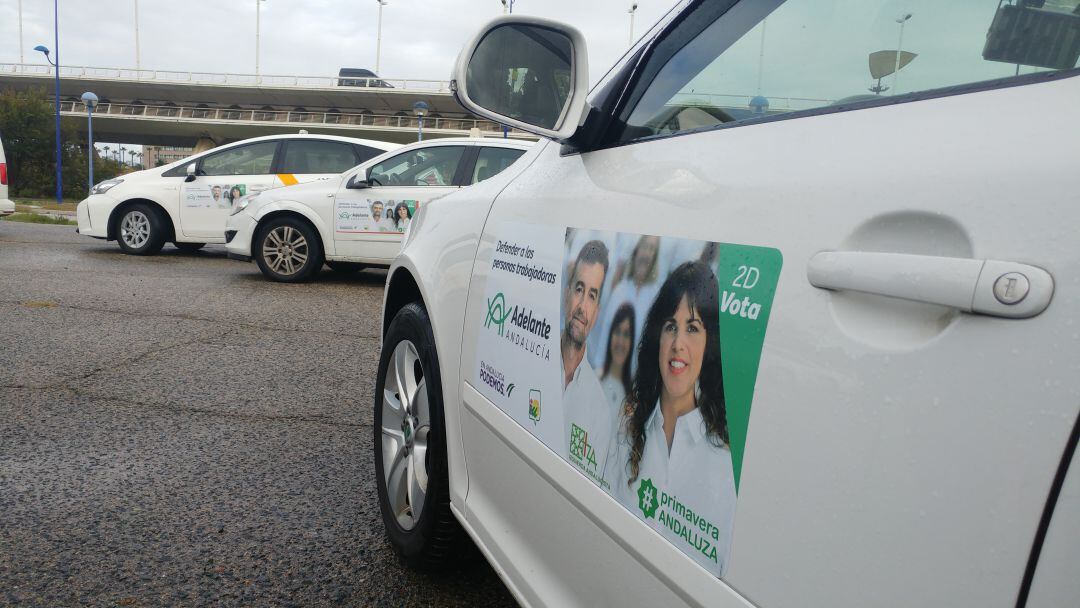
(27, 128)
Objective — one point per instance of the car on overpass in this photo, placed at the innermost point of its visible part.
(359, 218)
(187, 202)
(697, 349)
(361, 77)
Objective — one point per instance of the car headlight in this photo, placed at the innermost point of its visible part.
(105, 186)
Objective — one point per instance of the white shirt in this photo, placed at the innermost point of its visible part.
(614, 391)
(695, 488)
(588, 423)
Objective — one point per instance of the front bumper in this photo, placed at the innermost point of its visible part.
(93, 215)
(239, 231)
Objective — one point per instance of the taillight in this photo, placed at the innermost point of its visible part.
(3, 174)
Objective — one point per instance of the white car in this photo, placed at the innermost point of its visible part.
(357, 219)
(187, 202)
(737, 335)
(6, 206)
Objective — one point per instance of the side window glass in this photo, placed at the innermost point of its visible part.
(434, 166)
(317, 157)
(366, 153)
(253, 159)
(767, 58)
(491, 161)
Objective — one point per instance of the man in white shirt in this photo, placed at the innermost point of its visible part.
(588, 419)
(379, 223)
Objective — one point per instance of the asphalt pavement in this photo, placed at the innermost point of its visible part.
(177, 431)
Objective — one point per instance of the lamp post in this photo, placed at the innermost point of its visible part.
(59, 161)
(90, 101)
(258, 9)
(378, 38)
(137, 65)
(633, 9)
(21, 60)
(902, 20)
(420, 108)
(508, 6)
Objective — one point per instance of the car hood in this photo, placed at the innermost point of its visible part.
(306, 193)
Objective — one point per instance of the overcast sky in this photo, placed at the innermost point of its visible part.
(420, 39)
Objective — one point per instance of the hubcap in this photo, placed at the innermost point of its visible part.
(285, 250)
(135, 229)
(406, 424)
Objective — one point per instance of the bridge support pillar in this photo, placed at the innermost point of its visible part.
(204, 143)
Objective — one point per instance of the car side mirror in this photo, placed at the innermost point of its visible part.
(358, 182)
(190, 173)
(527, 73)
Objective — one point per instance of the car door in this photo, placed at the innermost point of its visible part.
(875, 295)
(369, 220)
(221, 180)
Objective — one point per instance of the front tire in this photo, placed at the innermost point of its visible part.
(410, 445)
(288, 250)
(140, 230)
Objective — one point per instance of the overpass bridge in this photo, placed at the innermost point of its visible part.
(174, 108)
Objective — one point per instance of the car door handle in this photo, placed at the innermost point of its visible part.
(989, 287)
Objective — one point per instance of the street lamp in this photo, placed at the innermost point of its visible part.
(258, 9)
(420, 108)
(138, 67)
(902, 19)
(508, 6)
(378, 38)
(59, 161)
(633, 9)
(90, 101)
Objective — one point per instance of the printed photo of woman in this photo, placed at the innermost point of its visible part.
(672, 446)
(402, 216)
(617, 374)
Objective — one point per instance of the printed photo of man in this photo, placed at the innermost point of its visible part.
(215, 193)
(379, 223)
(589, 420)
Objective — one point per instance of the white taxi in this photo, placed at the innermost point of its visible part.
(358, 218)
(782, 314)
(187, 202)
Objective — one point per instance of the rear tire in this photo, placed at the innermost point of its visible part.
(410, 446)
(346, 267)
(189, 247)
(140, 230)
(288, 250)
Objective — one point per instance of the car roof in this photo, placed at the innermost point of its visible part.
(385, 146)
(522, 144)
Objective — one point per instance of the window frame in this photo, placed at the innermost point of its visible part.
(602, 126)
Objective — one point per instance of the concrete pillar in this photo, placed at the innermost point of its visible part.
(204, 143)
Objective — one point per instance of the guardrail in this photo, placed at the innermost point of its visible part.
(220, 78)
(361, 119)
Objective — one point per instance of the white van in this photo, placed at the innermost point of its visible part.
(6, 206)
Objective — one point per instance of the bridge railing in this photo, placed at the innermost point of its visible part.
(222, 78)
(362, 119)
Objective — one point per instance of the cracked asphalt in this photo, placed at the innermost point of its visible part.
(177, 431)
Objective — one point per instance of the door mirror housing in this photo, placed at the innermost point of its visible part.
(190, 173)
(358, 181)
(527, 73)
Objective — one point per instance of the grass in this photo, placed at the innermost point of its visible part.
(33, 218)
(25, 204)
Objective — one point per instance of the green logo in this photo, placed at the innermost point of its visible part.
(510, 389)
(646, 496)
(344, 215)
(497, 312)
(580, 449)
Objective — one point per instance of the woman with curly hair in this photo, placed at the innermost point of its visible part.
(673, 463)
(402, 217)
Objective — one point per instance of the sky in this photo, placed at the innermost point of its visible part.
(420, 39)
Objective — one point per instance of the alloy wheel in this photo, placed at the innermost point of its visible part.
(135, 229)
(406, 425)
(285, 250)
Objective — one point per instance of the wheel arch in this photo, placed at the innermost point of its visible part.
(401, 289)
(118, 212)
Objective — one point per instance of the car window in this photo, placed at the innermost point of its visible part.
(252, 159)
(434, 166)
(317, 157)
(491, 161)
(768, 58)
(366, 153)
